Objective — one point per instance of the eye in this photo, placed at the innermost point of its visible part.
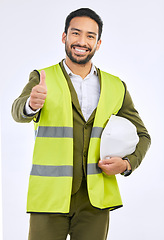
(91, 37)
(75, 33)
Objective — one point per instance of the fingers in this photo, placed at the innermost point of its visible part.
(104, 164)
(105, 161)
(112, 166)
(38, 90)
(106, 168)
(37, 100)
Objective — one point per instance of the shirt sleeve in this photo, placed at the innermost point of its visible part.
(18, 110)
(128, 111)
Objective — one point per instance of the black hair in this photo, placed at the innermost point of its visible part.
(87, 12)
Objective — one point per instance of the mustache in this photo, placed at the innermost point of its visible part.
(78, 45)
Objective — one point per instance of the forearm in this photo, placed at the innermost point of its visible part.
(140, 152)
(128, 111)
(18, 110)
(18, 107)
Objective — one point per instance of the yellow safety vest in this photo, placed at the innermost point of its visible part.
(50, 182)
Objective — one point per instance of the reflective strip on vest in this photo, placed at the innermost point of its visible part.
(52, 171)
(92, 168)
(96, 132)
(54, 132)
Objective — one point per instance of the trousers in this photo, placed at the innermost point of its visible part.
(84, 222)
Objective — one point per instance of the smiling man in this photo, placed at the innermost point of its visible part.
(81, 41)
(70, 190)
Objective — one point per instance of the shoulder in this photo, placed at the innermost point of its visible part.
(34, 77)
(112, 79)
(107, 75)
(49, 68)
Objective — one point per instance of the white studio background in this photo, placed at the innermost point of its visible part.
(133, 49)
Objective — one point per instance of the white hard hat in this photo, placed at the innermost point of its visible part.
(119, 138)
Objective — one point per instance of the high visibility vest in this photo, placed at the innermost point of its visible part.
(50, 182)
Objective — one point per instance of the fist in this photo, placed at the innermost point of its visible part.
(112, 165)
(39, 93)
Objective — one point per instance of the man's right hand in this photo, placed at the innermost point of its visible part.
(39, 93)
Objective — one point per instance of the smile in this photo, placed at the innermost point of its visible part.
(80, 50)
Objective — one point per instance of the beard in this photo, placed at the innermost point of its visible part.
(80, 61)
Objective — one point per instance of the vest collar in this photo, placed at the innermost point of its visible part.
(73, 92)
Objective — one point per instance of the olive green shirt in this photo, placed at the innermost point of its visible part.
(82, 128)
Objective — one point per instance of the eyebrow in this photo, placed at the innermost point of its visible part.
(76, 29)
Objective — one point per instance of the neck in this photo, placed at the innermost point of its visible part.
(79, 69)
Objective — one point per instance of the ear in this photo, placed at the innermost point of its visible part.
(98, 44)
(64, 37)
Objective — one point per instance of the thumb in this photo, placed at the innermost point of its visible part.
(42, 78)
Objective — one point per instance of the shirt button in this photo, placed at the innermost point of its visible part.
(85, 126)
(84, 154)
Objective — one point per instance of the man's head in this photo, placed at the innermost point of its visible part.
(84, 12)
(82, 34)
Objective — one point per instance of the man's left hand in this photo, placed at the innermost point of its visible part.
(113, 165)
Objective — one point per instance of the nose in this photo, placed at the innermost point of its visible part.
(82, 40)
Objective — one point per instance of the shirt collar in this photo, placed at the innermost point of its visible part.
(70, 73)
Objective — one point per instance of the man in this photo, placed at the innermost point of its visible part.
(70, 190)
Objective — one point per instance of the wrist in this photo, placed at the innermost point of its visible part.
(128, 170)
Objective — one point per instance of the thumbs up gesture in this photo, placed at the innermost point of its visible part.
(38, 93)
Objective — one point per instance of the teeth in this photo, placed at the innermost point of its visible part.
(80, 50)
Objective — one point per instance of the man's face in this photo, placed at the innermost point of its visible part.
(81, 40)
